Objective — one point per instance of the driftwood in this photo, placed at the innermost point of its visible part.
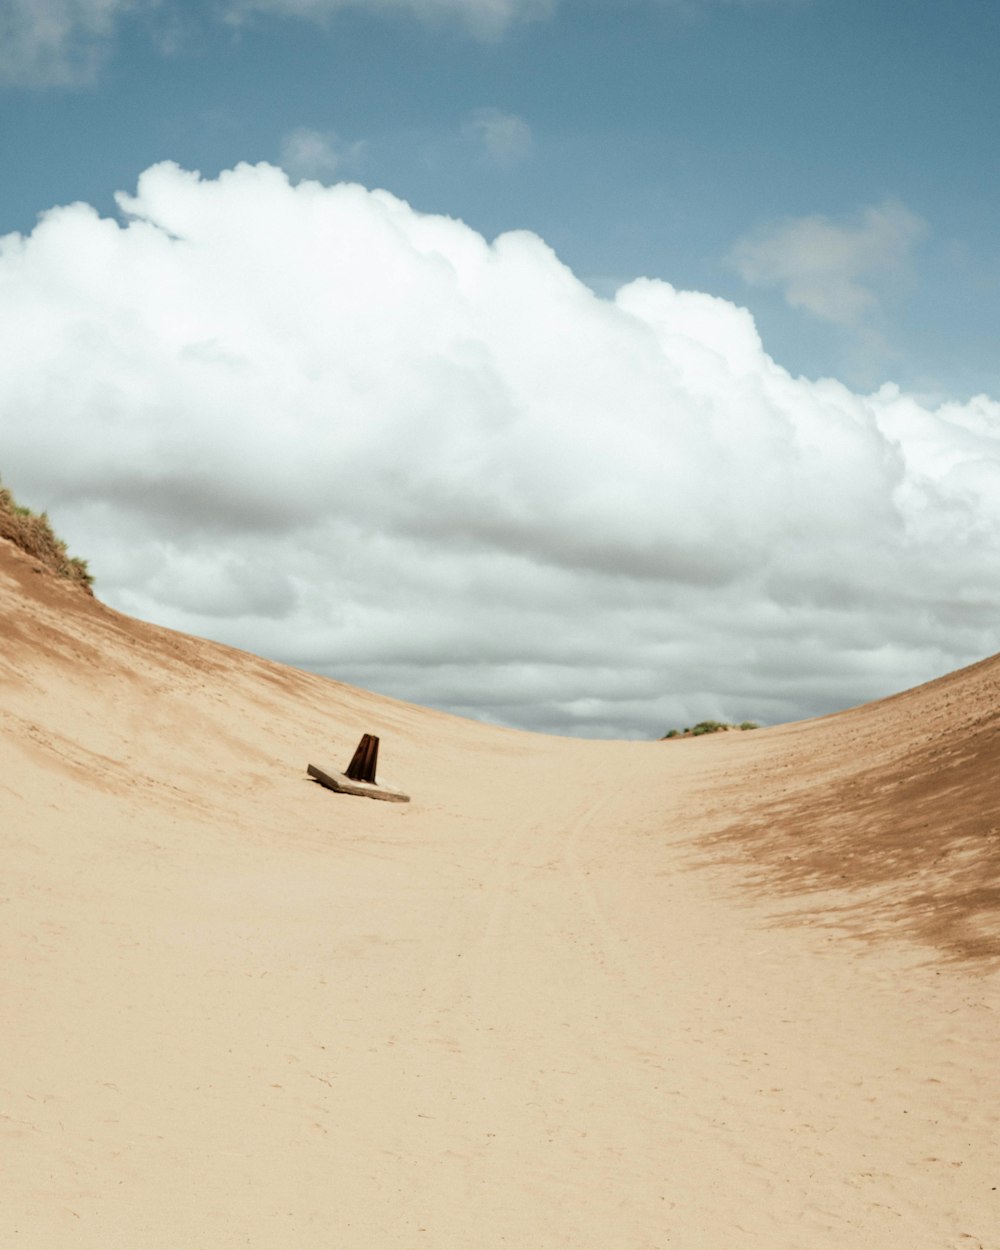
(344, 785)
(360, 775)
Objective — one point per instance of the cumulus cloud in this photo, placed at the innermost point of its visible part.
(505, 137)
(484, 18)
(838, 271)
(56, 42)
(316, 154)
(328, 428)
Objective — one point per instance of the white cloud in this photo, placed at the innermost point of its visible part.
(66, 43)
(505, 137)
(323, 426)
(838, 271)
(319, 154)
(56, 42)
(484, 18)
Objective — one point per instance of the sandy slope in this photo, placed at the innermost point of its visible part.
(728, 992)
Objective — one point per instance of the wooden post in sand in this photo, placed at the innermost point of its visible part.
(362, 766)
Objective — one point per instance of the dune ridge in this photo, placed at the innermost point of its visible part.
(734, 991)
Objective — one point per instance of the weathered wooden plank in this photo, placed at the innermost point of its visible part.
(345, 785)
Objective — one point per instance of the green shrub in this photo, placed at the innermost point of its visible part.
(32, 532)
(708, 727)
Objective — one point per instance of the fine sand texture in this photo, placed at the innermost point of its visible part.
(733, 991)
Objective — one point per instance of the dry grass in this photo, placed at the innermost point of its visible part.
(32, 532)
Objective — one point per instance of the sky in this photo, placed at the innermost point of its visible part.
(582, 366)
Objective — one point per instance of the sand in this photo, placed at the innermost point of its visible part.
(734, 991)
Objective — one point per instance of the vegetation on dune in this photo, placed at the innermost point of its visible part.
(32, 532)
(708, 727)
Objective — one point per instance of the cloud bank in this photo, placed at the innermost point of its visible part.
(318, 424)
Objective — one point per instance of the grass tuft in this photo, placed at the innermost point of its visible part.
(32, 532)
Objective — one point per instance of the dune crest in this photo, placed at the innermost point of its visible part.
(574, 994)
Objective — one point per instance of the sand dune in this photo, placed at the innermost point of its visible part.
(735, 991)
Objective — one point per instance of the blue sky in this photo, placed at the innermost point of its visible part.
(653, 137)
(507, 441)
